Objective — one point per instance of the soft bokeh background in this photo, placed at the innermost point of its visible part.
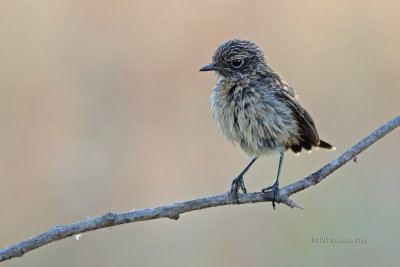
(102, 108)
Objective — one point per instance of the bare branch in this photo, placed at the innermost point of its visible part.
(173, 211)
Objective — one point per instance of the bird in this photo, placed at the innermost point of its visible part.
(257, 110)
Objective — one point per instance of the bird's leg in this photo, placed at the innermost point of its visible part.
(275, 186)
(239, 183)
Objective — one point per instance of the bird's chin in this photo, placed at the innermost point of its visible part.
(219, 75)
(223, 74)
(228, 77)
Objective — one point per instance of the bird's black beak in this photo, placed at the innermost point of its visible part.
(212, 66)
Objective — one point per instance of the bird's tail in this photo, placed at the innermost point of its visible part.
(308, 146)
(326, 145)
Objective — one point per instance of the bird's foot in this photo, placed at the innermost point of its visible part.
(238, 183)
(275, 191)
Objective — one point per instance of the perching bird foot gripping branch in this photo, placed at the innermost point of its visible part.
(173, 211)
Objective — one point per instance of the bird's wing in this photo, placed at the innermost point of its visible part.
(304, 119)
(289, 90)
(274, 81)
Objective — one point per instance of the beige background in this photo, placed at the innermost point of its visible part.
(102, 108)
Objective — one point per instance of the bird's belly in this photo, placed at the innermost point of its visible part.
(255, 131)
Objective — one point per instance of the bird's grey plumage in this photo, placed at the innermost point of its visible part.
(253, 117)
(255, 108)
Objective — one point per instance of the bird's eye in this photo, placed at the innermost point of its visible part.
(237, 63)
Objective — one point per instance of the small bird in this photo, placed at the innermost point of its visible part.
(257, 110)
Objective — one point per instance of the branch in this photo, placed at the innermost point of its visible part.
(173, 211)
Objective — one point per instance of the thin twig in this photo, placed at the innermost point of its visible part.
(173, 211)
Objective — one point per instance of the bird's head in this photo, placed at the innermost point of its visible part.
(238, 59)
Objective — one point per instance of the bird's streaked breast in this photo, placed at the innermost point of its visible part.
(251, 116)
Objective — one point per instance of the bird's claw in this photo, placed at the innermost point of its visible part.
(238, 183)
(275, 191)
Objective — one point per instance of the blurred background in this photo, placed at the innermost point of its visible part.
(102, 108)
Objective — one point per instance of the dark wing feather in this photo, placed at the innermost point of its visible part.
(309, 133)
(308, 136)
